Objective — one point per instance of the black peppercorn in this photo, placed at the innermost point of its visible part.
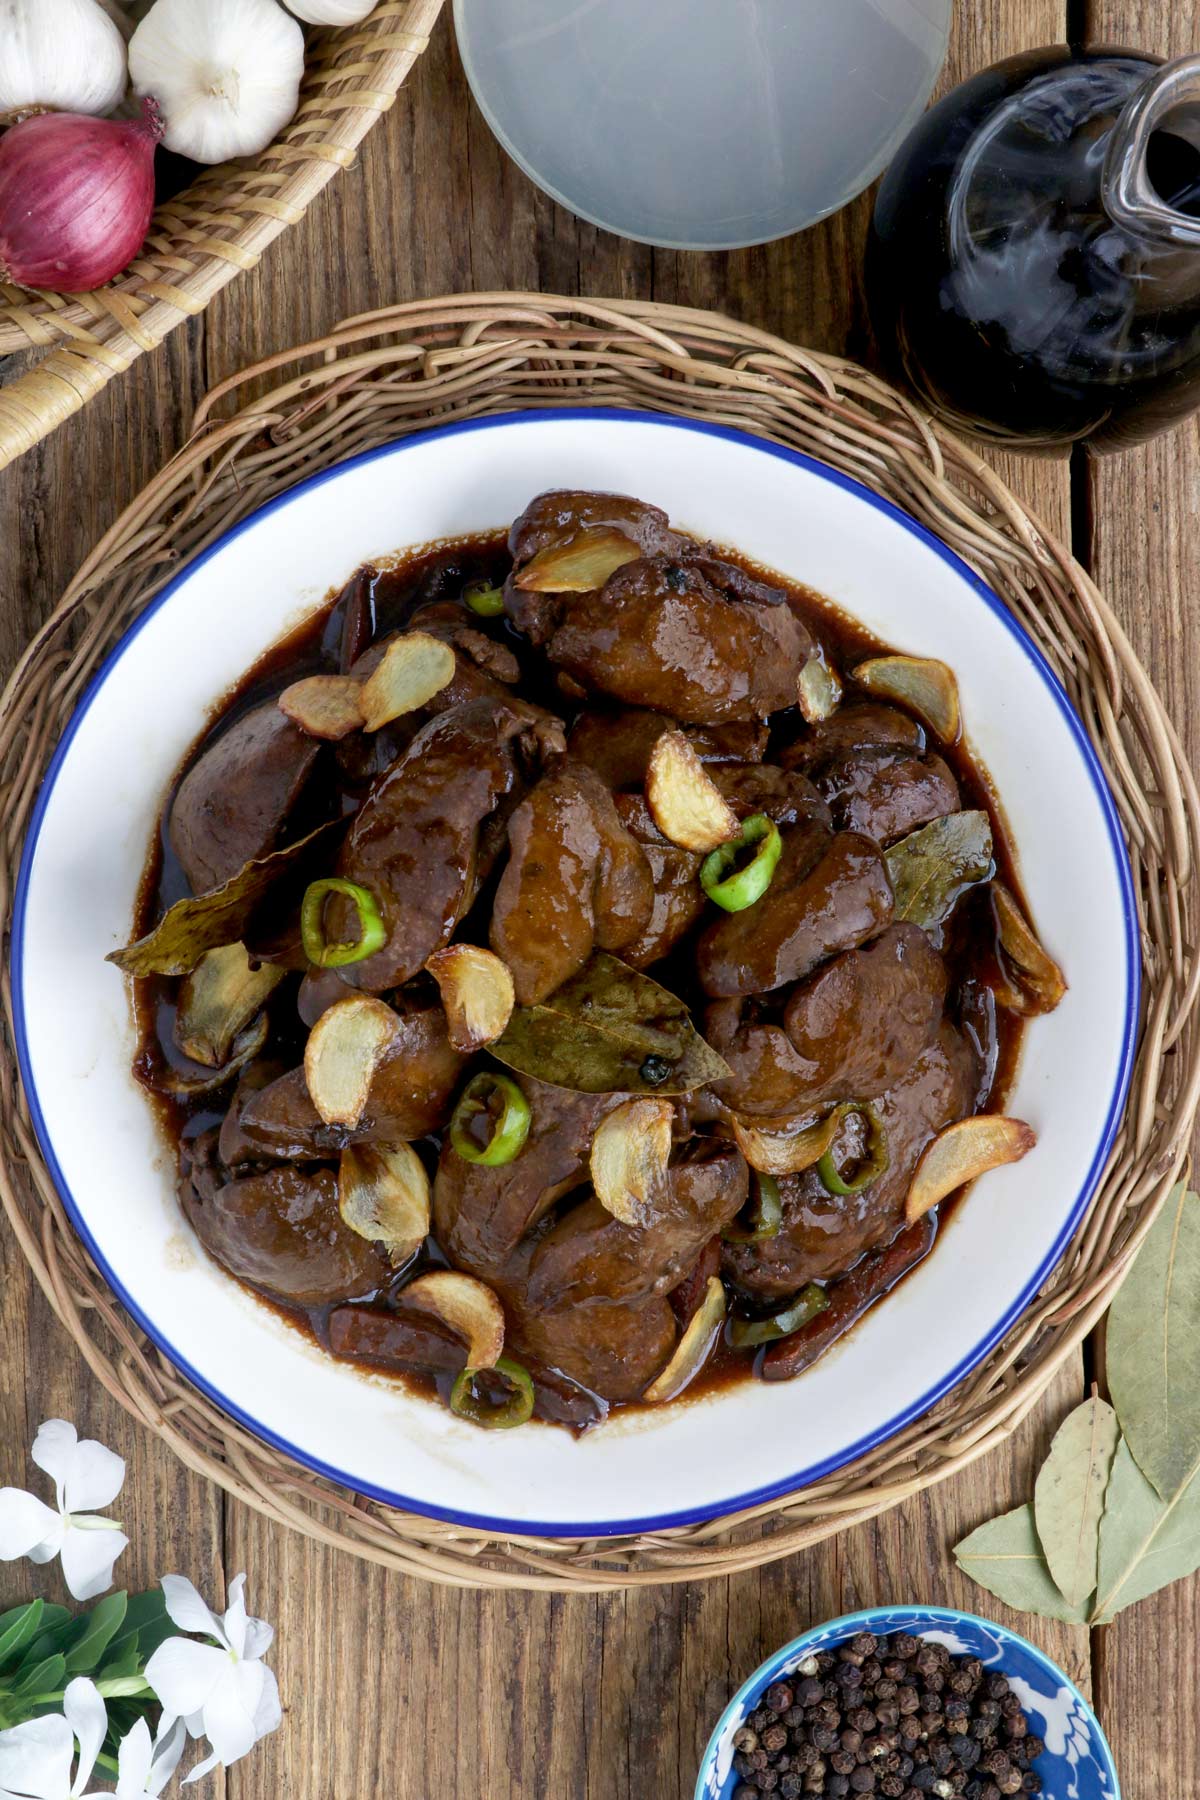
(1031, 1783)
(745, 1740)
(791, 1787)
(892, 1786)
(778, 1696)
(843, 1762)
(849, 1675)
(774, 1739)
(768, 1781)
(905, 1646)
(743, 1792)
(810, 1690)
(863, 1780)
(1033, 1747)
(907, 1699)
(837, 1787)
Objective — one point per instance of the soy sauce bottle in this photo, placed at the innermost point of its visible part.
(1034, 265)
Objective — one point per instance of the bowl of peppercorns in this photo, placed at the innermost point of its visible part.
(908, 1703)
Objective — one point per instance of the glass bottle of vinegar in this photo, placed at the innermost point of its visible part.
(1034, 267)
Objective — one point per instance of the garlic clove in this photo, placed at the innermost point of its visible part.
(332, 12)
(226, 73)
(64, 55)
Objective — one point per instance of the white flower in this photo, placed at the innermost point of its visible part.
(222, 1690)
(86, 1475)
(36, 1758)
(145, 1767)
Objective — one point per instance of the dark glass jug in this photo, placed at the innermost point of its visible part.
(1034, 266)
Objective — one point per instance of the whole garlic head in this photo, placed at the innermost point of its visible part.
(331, 12)
(226, 73)
(63, 54)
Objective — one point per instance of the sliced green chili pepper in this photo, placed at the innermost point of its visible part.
(811, 1300)
(735, 892)
(509, 1119)
(468, 1403)
(484, 599)
(372, 932)
(874, 1161)
(764, 1218)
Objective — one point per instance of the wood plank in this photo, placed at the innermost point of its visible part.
(1142, 552)
(54, 504)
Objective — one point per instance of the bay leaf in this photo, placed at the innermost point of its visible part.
(1146, 1542)
(222, 915)
(607, 1030)
(1068, 1499)
(1152, 1351)
(932, 868)
(1005, 1556)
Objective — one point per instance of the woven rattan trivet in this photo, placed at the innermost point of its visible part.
(391, 373)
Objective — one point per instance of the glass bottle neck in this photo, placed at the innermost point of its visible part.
(1169, 102)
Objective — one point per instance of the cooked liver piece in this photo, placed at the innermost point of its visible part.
(828, 894)
(589, 1255)
(784, 795)
(415, 841)
(617, 744)
(660, 634)
(575, 880)
(856, 725)
(235, 799)
(614, 1350)
(887, 795)
(560, 515)
(823, 1234)
(280, 1230)
(678, 897)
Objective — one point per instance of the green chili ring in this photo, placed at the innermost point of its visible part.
(812, 1300)
(874, 1163)
(765, 1216)
(735, 892)
(372, 932)
(486, 601)
(516, 1410)
(510, 1129)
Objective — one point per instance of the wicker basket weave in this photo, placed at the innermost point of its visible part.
(216, 229)
(393, 372)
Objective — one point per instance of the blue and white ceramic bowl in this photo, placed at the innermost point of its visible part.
(1076, 1764)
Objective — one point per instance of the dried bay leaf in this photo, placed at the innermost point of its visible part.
(1005, 1556)
(1153, 1348)
(607, 1030)
(1145, 1542)
(1069, 1496)
(932, 868)
(205, 921)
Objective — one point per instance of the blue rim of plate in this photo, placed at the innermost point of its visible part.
(865, 1620)
(802, 1477)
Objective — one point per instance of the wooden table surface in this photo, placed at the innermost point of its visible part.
(392, 1687)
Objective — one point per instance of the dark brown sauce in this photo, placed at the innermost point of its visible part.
(442, 571)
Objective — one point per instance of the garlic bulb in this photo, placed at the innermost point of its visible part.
(66, 55)
(331, 12)
(226, 73)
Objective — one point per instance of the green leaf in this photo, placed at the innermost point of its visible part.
(932, 868)
(46, 1677)
(1152, 1350)
(1145, 1542)
(1069, 1496)
(147, 1625)
(100, 1627)
(609, 1030)
(1005, 1557)
(18, 1628)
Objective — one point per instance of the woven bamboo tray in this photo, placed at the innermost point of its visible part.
(384, 375)
(213, 231)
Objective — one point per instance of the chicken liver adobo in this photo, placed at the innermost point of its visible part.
(560, 960)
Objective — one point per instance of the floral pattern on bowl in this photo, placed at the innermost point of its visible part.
(1077, 1763)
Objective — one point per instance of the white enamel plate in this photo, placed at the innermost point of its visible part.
(85, 854)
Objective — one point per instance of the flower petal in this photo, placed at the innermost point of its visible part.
(94, 1478)
(234, 1622)
(229, 1711)
(259, 1638)
(184, 1675)
(87, 1716)
(187, 1610)
(201, 1769)
(268, 1714)
(53, 1450)
(135, 1754)
(168, 1748)
(26, 1523)
(87, 1559)
(35, 1758)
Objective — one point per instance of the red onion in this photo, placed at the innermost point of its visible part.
(76, 197)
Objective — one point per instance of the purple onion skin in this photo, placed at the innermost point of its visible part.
(76, 198)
